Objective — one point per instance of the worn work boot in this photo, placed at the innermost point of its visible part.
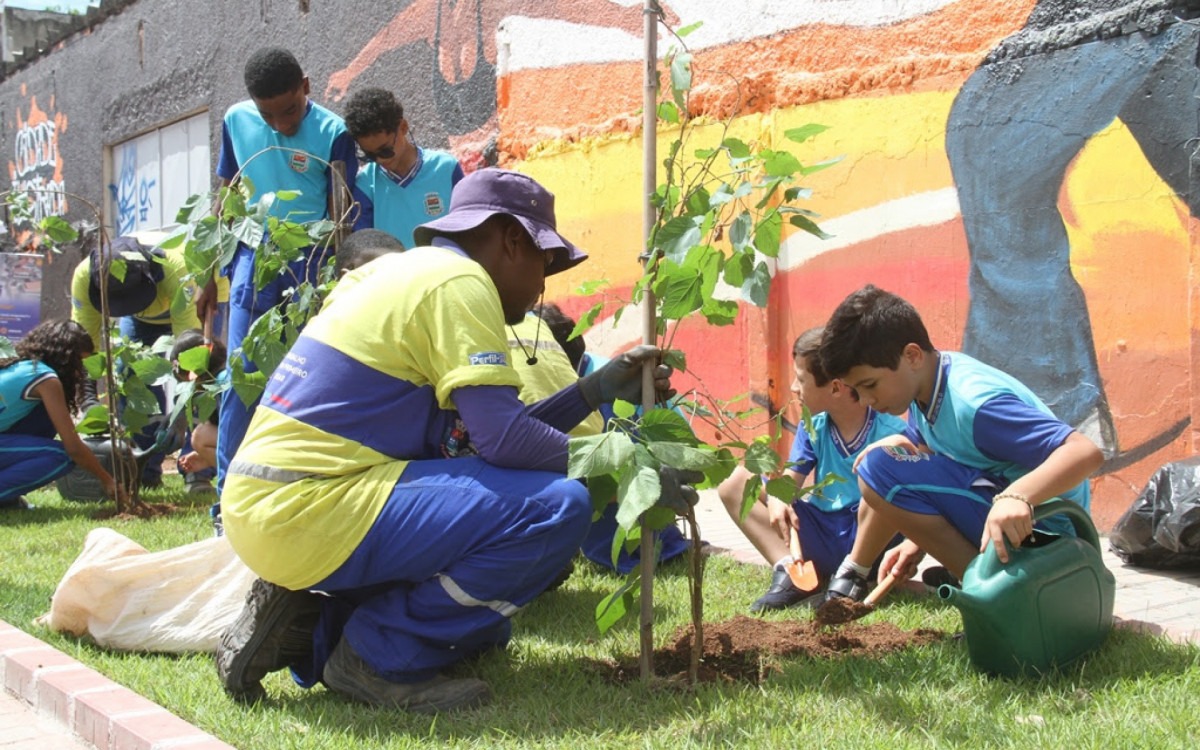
(275, 629)
(348, 674)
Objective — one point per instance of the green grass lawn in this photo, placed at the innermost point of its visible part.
(1139, 691)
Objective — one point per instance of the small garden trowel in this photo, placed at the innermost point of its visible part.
(802, 572)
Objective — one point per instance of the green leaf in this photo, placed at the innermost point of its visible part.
(58, 230)
(680, 290)
(684, 31)
(117, 268)
(783, 488)
(94, 365)
(603, 491)
(613, 607)
(195, 359)
(682, 456)
(639, 489)
(737, 148)
(598, 454)
(668, 112)
(623, 409)
(677, 236)
(808, 225)
(248, 386)
(94, 421)
(739, 230)
(811, 168)
(760, 458)
(586, 321)
(290, 236)
(768, 234)
(750, 492)
(287, 195)
(738, 266)
(7, 349)
(757, 287)
(676, 359)
(796, 193)
(151, 368)
(248, 230)
(681, 75)
(139, 398)
(780, 163)
(666, 426)
(804, 132)
(719, 312)
(195, 207)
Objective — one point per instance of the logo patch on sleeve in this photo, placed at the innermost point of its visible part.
(489, 358)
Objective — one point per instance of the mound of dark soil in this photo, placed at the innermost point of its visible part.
(741, 649)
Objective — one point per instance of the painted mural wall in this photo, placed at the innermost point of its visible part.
(1019, 169)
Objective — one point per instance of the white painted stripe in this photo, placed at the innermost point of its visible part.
(531, 43)
(507, 609)
(910, 212)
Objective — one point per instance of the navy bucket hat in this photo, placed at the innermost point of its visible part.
(137, 290)
(487, 192)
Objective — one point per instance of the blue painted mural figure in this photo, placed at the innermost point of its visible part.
(1012, 132)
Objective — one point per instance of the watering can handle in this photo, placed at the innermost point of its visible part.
(1084, 528)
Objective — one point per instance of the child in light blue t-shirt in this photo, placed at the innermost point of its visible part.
(827, 519)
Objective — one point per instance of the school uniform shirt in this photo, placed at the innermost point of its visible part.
(17, 382)
(399, 204)
(984, 418)
(831, 455)
(365, 389)
(161, 311)
(322, 134)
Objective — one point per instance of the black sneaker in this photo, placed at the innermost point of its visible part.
(849, 585)
(274, 629)
(348, 674)
(781, 595)
(936, 576)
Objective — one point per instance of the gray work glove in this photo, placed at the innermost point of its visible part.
(622, 379)
(678, 494)
(89, 398)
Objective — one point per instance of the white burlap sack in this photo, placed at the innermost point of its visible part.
(129, 599)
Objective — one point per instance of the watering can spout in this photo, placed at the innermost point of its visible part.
(959, 598)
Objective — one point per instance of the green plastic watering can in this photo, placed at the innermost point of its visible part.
(1051, 604)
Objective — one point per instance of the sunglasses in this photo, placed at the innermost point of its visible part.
(387, 152)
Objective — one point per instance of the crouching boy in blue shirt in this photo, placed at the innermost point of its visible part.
(827, 519)
(980, 451)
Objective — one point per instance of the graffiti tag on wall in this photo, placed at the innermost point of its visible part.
(37, 164)
(133, 198)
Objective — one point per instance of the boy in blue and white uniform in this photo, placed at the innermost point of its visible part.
(828, 519)
(400, 185)
(278, 114)
(980, 451)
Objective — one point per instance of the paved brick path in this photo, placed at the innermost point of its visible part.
(52, 702)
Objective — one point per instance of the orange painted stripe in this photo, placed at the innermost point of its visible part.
(802, 65)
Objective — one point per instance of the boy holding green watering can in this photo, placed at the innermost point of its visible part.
(980, 452)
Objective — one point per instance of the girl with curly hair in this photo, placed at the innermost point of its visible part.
(39, 390)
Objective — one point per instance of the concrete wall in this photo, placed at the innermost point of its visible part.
(1020, 170)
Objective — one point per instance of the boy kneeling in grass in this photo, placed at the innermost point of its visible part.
(980, 452)
(827, 519)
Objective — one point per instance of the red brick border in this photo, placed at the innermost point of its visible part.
(101, 712)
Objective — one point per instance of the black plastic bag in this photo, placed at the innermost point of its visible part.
(1162, 527)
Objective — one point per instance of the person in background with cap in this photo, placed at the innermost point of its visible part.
(144, 304)
(391, 466)
(400, 184)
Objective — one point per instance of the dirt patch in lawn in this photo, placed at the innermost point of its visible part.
(743, 649)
